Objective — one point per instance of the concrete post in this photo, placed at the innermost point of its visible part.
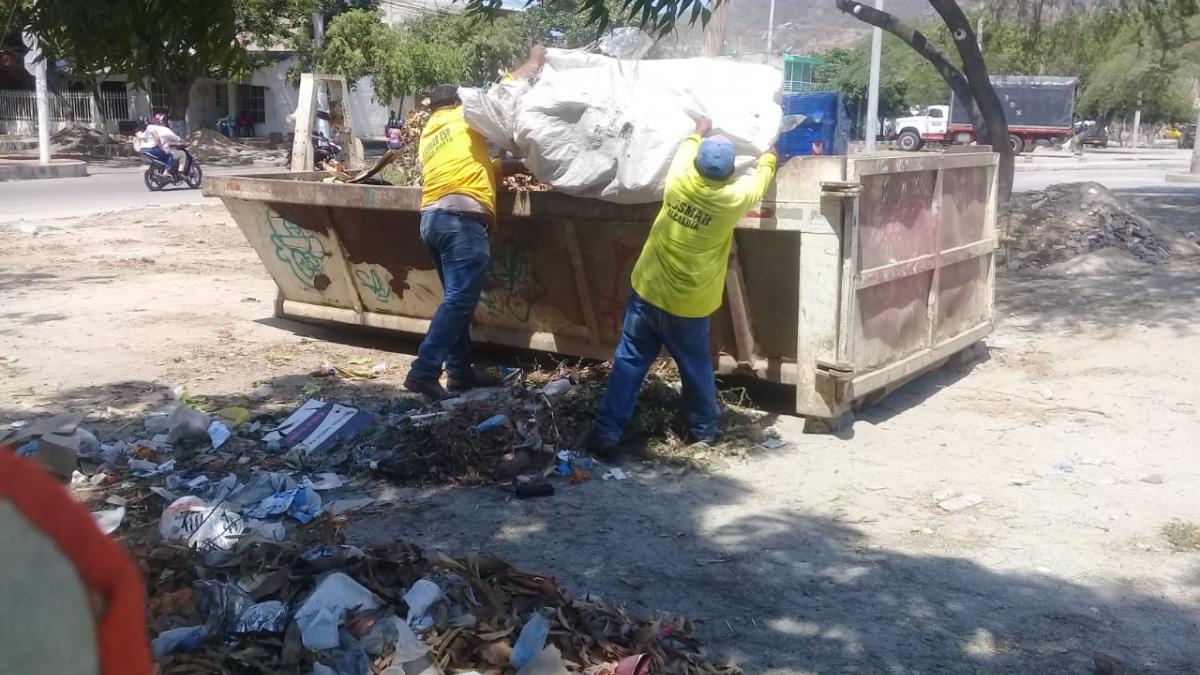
(873, 87)
(770, 31)
(97, 121)
(36, 65)
(1195, 169)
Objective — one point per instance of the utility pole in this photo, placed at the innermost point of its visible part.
(36, 65)
(770, 31)
(1195, 170)
(1137, 121)
(872, 129)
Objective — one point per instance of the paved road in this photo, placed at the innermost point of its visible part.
(108, 190)
(117, 189)
(1115, 179)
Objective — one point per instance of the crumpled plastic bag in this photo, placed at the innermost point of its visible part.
(594, 126)
(192, 521)
(319, 616)
(221, 604)
(264, 617)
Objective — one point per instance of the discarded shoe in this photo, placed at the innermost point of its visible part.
(429, 388)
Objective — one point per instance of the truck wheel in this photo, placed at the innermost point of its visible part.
(909, 141)
(1018, 145)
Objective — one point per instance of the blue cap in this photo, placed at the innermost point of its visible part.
(715, 159)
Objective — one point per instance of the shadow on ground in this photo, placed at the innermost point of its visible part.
(775, 586)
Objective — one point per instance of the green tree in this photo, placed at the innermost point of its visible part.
(175, 43)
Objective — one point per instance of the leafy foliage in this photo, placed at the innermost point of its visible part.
(656, 16)
(1118, 53)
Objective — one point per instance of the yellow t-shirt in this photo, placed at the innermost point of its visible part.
(455, 161)
(682, 266)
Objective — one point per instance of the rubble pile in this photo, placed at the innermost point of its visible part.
(211, 146)
(79, 140)
(1049, 226)
(238, 527)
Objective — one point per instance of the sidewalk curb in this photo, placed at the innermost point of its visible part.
(1183, 178)
(32, 170)
(1083, 166)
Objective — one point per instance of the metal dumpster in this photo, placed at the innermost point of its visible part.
(853, 275)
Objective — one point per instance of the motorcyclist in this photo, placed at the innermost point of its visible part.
(147, 143)
(165, 138)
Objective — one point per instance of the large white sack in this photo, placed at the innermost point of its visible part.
(595, 126)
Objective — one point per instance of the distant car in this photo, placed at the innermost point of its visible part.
(1098, 139)
(1187, 140)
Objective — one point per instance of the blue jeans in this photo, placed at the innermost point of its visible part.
(159, 155)
(646, 329)
(461, 254)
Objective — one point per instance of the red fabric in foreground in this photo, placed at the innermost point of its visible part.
(102, 565)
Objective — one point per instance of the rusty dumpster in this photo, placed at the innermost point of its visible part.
(853, 275)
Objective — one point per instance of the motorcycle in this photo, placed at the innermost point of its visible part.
(157, 177)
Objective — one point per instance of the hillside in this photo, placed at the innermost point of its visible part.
(805, 26)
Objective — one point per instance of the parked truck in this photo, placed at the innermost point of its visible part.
(1039, 111)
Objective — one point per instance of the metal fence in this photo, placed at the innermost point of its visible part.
(70, 106)
(114, 105)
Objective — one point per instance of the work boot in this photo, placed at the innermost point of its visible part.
(478, 379)
(429, 388)
(602, 448)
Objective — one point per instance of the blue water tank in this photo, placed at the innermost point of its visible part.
(825, 121)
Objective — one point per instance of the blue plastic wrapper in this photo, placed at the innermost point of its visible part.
(491, 423)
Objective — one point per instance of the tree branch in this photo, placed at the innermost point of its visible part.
(921, 44)
(976, 71)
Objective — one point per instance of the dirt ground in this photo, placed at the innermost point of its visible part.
(1077, 426)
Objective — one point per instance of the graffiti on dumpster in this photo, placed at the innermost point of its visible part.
(369, 279)
(512, 288)
(611, 307)
(302, 251)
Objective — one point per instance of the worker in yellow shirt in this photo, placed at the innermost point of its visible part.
(678, 281)
(458, 206)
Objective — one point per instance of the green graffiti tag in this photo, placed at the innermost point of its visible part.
(369, 279)
(302, 251)
(512, 288)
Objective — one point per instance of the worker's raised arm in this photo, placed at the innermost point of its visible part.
(751, 188)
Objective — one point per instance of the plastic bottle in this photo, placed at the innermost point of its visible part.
(531, 641)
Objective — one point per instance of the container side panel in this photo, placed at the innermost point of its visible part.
(964, 206)
(893, 320)
(296, 251)
(896, 220)
(769, 264)
(962, 297)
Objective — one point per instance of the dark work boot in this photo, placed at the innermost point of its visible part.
(602, 448)
(476, 380)
(430, 388)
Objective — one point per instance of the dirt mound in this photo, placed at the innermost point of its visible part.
(208, 145)
(1066, 220)
(77, 140)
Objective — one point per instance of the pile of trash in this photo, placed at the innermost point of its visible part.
(240, 535)
(401, 168)
(1049, 226)
(333, 609)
